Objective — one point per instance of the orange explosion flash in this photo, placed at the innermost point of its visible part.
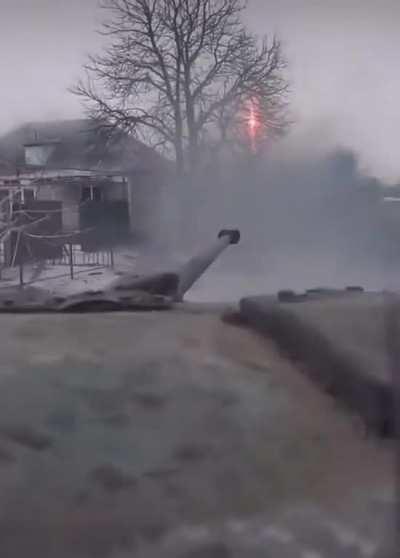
(252, 121)
(252, 125)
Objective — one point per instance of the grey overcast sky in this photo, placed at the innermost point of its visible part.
(344, 60)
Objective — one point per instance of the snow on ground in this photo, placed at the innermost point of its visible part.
(237, 273)
(56, 279)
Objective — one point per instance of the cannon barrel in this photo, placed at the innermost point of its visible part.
(176, 284)
(196, 266)
(156, 291)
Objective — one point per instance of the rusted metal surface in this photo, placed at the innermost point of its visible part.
(175, 435)
(341, 340)
(392, 332)
(159, 283)
(87, 301)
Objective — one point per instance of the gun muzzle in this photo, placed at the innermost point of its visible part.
(232, 234)
(196, 266)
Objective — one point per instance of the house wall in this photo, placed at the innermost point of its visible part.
(115, 191)
(144, 192)
(145, 206)
(70, 196)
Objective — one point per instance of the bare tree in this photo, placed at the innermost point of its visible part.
(178, 71)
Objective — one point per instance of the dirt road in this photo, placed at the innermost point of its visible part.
(175, 434)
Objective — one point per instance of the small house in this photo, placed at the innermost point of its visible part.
(113, 185)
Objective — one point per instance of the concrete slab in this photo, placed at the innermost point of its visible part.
(340, 337)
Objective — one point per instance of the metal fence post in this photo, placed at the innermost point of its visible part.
(112, 257)
(71, 261)
(21, 274)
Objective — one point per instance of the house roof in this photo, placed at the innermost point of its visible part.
(79, 145)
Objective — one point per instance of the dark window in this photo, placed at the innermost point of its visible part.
(29, 195)
(97, 193)
(85, 195)
(38, 155)
(92, 193)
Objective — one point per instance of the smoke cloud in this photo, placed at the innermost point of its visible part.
(307, 220)
(310, 214)
(342, 54)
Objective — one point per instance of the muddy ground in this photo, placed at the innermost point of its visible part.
(176, 434)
